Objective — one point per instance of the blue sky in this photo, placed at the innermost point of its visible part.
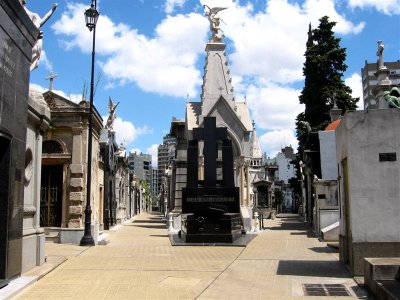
(150, 56)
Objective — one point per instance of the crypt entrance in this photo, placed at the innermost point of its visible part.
(51, 196)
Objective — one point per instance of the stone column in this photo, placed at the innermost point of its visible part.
(76, 183)
(241, 168)
(248, 186)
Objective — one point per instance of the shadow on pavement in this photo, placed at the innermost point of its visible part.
(312, 268)
(286, 225)
(323, 250)
(159, 235)
(150, 226)
(148, 221)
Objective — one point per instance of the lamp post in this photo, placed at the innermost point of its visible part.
(91, 16)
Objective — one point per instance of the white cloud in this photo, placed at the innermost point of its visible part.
(271, 43)
(153, 151)
(125, 131)
(355, 83)
(171, 4)
(388, 7)
(273, 107)
(45, 61)
(265, 44)
(272, 142)
(76, 98)
(159, 64)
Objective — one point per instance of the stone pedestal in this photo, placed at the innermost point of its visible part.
(215, 216)
(384, 84)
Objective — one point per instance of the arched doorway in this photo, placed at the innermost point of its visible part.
(262, 191)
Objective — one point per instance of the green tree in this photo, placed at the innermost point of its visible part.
(278, 198)
(323, 71)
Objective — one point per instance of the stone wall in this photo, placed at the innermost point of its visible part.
(369, 170)
(33, 235)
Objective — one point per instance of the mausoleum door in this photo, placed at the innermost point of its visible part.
(262, 193)
(5, 159)
(51, 196)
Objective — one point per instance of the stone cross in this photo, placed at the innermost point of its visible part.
(51, 79)
(210, 134)
(379, 53)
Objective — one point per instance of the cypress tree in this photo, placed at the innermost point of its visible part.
(323, 71)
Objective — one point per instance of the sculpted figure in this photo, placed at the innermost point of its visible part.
(111, 114)
(379, 53)
(38, 22)
(392, 97)
(211, 13)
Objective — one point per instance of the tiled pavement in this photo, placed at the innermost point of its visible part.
(140, 263)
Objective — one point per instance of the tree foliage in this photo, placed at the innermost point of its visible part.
(279, 197)
(323, 71)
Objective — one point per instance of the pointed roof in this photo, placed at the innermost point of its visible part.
(216, 79)
(255, 149)
(217, 89)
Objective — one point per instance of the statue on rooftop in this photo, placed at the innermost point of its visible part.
(38, 22)
(111, 114)
(379, 53)
(211, 13)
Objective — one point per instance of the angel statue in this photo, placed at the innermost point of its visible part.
(211, 13)
(38, 22)
(111, 114)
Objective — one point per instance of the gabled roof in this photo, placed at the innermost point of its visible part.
(239, 112)
(59, 101)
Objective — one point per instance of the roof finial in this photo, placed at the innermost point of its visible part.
(334, 100)
(51, 78)
(379, 53)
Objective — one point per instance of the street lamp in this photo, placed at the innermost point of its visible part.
(91, 16)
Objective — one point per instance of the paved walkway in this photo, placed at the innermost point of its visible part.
(140, 263)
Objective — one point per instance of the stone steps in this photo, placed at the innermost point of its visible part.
(52, 235)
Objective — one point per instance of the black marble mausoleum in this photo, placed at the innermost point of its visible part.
(17, 37)
(210, 207)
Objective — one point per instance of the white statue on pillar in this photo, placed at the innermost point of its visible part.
(379, 53)
(38, 22)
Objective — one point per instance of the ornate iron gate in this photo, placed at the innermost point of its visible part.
(51, 196)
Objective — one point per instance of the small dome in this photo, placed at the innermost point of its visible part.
(332, 126)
